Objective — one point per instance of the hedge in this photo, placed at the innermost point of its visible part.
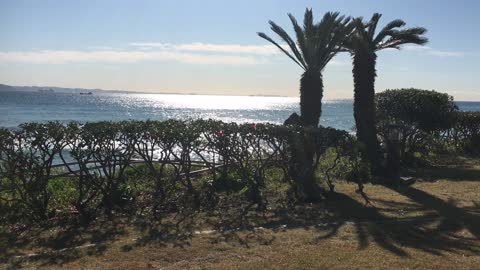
(95, 164)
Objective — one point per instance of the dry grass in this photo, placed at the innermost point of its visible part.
(435, 224)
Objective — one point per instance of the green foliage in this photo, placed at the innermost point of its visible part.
(26, 157)
(343, 160)
(146, 166)
(420, 116)
(427, 111)
(63, 192)
(365, 38)
(316, 43)
(466, 132)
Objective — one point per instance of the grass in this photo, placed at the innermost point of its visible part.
(435, 224)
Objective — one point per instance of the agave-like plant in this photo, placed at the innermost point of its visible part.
(363, 45)
(315, 45)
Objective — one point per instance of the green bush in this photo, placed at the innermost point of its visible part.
(26, 156)
(426, 110)
(49, 169)
(63, 193)
(466, 132)
(422, 117)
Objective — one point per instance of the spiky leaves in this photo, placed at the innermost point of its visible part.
(314, 46)
(363, 45)
(389, 36)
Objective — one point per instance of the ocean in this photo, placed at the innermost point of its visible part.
(21, 107)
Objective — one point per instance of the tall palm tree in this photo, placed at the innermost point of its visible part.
(363, 45)
(316, 44)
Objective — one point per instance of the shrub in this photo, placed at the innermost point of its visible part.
(27, 156)
(50, 168)
(466, 132)
(111, 147)
(421, 115)
(63, 192)
(78, 161)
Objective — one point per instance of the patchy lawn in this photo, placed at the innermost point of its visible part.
(434, 224)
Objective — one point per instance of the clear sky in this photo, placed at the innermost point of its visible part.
(211, 46)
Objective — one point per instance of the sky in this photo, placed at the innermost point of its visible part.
(211, 46)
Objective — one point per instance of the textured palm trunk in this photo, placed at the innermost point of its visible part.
(311, 93)
(364, 74)
(302, 167)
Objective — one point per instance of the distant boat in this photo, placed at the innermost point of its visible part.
(86, 93)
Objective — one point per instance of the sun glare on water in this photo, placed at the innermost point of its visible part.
(211, 102)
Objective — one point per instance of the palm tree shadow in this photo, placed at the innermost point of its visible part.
(433, 233)
(453, 218)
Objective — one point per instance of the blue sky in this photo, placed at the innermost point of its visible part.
(211, 47)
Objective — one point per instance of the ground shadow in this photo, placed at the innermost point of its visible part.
(451, 168)
(453, 218)
(450, 174)
(56, 243)
(433, 233)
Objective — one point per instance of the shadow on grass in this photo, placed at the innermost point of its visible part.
(451, 174)
(56, 244)
(439, 229)
(453, 218)
(435, 233)
(451, 168)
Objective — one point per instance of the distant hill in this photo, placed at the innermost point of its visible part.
(54, 89)
(4, 87)
(9, 88)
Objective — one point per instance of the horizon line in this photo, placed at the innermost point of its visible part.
(119, 91)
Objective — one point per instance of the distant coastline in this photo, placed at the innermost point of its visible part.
(50, 89)
(96, 91)
(55, 89)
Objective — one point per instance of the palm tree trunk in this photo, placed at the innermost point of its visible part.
(311, 93)
(364, 74)
(302, 163)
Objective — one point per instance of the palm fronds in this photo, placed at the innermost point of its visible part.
(316, 43)
(390, 36)
(407, 36)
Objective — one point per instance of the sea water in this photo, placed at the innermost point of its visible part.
(21, 107)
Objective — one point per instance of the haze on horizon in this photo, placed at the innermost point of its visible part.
(211, 47)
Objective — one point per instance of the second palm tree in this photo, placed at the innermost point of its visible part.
(363, 45)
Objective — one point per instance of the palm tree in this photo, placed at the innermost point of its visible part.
(316, 44)
(363, 45)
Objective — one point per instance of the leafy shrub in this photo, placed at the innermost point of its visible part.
(63, 193)
(466, 132)
(343, 160)
(426, 110)
(27, 156)
(421, 116)
(47, 169)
